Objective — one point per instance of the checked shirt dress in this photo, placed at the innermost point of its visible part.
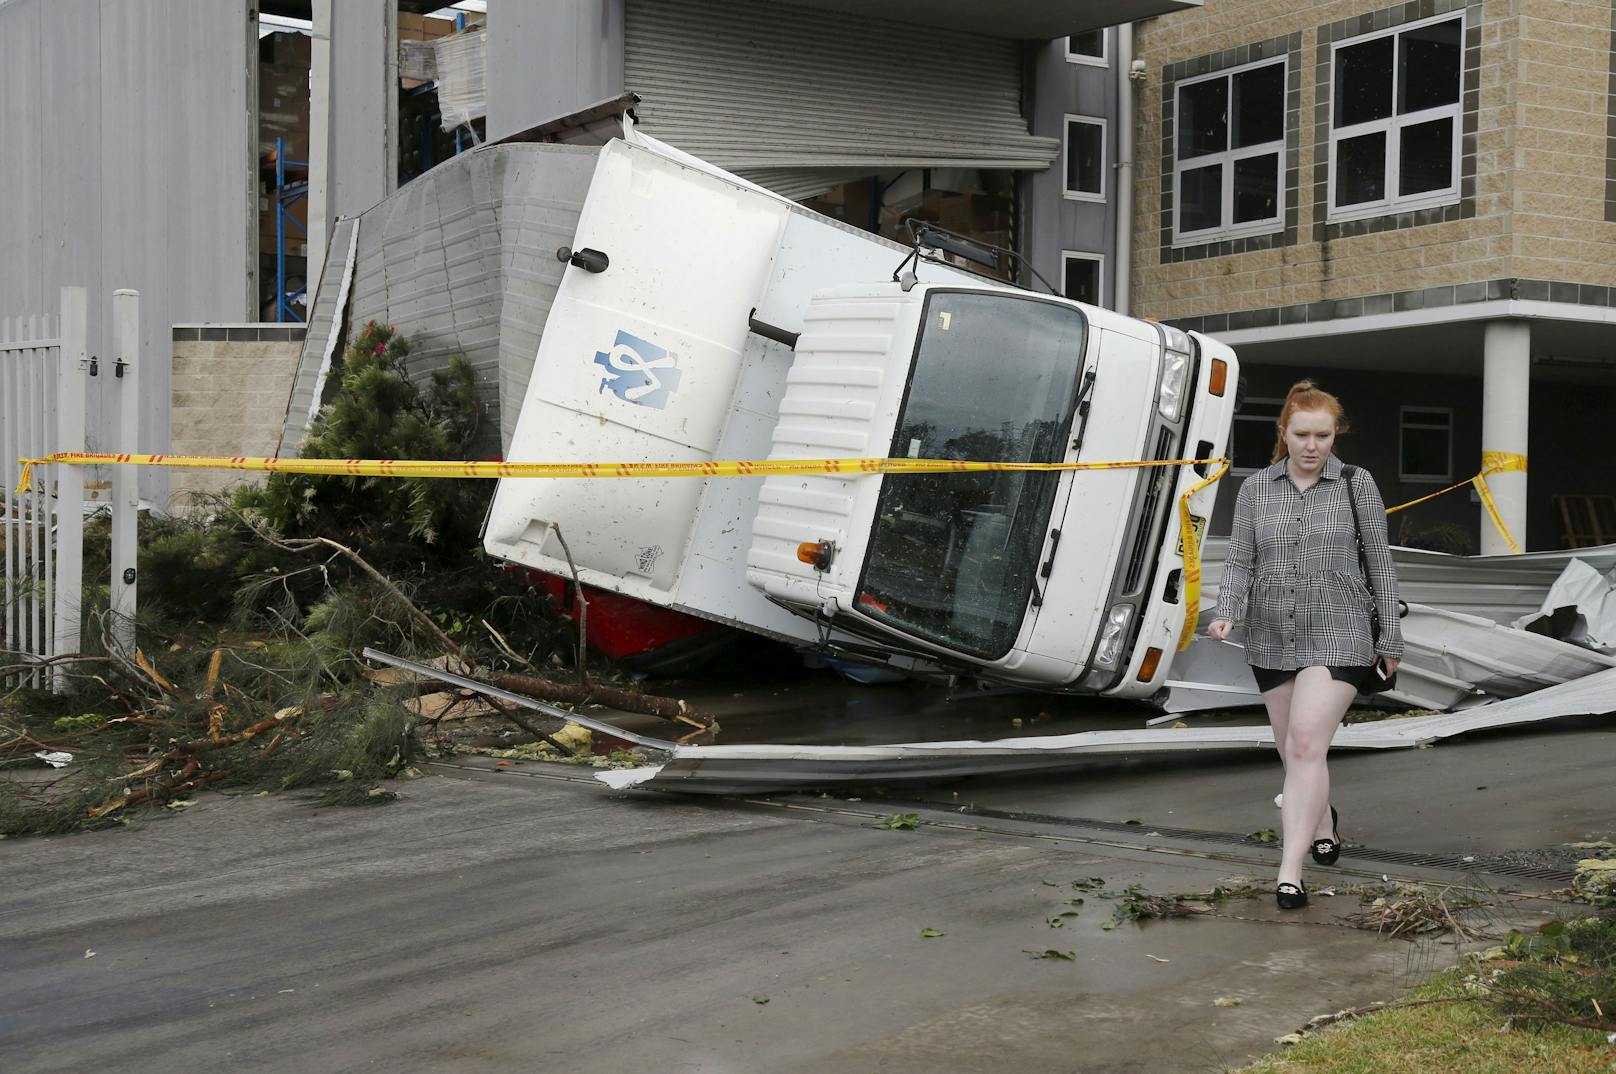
(1292, 572)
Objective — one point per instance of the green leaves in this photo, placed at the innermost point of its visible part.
(931, 934)
(1050, 953)
(1263, 835)
(899, 822)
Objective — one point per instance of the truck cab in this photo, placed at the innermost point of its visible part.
(1065, 580)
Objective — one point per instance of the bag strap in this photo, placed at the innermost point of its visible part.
(1350, 473)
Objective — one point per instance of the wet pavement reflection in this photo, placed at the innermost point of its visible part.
(820, 707)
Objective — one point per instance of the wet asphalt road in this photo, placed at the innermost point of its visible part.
(527, 920)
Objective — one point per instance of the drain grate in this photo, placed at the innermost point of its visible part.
(1481, 864)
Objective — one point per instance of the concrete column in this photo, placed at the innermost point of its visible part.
(1505, 406)
(319, 143)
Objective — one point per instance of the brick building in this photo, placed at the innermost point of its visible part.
(1416, 205)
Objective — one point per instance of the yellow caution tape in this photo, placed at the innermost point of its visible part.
(1492, 462)
(1191, 541)
(1188, 536)
(438, 468)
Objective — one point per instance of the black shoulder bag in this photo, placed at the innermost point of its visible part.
(1375, 682)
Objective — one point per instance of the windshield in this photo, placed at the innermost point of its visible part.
(953, 556)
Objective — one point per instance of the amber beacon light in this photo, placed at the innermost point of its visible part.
(817, 554)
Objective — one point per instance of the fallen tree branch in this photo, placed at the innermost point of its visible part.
(306, 544)
(583, 606)
(594, 693)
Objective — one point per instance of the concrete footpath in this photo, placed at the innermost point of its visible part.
(529, 920)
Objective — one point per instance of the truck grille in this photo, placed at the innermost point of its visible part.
(1149, 531)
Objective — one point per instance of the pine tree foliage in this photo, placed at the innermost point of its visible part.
(378, 412)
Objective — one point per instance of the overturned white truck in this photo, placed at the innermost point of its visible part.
(703, 318)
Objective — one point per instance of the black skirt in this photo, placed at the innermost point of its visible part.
(1269, 679)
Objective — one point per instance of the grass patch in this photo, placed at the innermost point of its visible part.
(1460, 1031)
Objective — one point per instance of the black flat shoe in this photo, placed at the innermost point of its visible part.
(1328, 851)
(1290, 896)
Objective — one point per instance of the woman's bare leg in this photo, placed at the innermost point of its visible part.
(1318, 702)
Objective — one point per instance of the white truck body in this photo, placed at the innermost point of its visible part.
(1012, 577)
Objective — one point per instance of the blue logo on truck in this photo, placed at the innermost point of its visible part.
(638, 371)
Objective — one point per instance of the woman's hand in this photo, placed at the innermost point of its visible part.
(1219, 630)
(1389, 663)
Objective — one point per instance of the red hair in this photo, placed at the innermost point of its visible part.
(1305, 395)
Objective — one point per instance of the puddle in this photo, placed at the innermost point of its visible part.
(821, 708)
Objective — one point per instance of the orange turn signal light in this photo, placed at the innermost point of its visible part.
(1219, 379)
(817, 554)
(1147, 670)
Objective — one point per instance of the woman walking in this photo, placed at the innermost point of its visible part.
(1293, 574)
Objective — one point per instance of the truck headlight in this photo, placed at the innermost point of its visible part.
(1175, 370)
(1112, 634)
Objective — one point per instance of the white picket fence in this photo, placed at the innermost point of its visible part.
(44, 366)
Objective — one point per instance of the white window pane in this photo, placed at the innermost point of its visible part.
(1082, 281)
(1203, 118)
(1091, 43)
(1363, 82)
(1425, 453)
(1200, 198)
(1259, 106)
(1428, 66)
(1426, 157)
(1360, 169)
(1256, 188)
(1085, 157)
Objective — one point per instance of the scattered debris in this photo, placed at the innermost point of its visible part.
(54, 758)
(1051, 953)
(1263, 835)
(1595, 881)
(1226, 1001)
(931, 934)
(1410, 910)
(899, 822)
(760, 1000)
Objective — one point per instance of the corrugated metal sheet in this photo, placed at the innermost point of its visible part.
(462, 262)
(125, 161)
(742, 769)
(327, 315)
(756, 86)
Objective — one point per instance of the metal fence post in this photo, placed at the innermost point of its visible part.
(71, 371)
(126, 479)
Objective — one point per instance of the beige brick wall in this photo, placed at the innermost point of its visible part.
(228, 398)
(1539, 202)
(1561, 93)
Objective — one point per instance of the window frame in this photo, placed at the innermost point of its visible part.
(1278, 402)
(1068, 256)
(1403, 425)
(1066, 148)
(1226, 160)
(1102, 60)
(1393, 126)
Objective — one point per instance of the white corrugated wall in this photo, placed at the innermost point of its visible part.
(782, 94)
(126, 161)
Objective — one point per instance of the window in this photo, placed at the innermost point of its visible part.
(1227, 171)
(1086, 47)
(1082, 277)
(1395, 120)
(1084, 153)
(1255, 427)
(1426, 453)
(952, 556)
